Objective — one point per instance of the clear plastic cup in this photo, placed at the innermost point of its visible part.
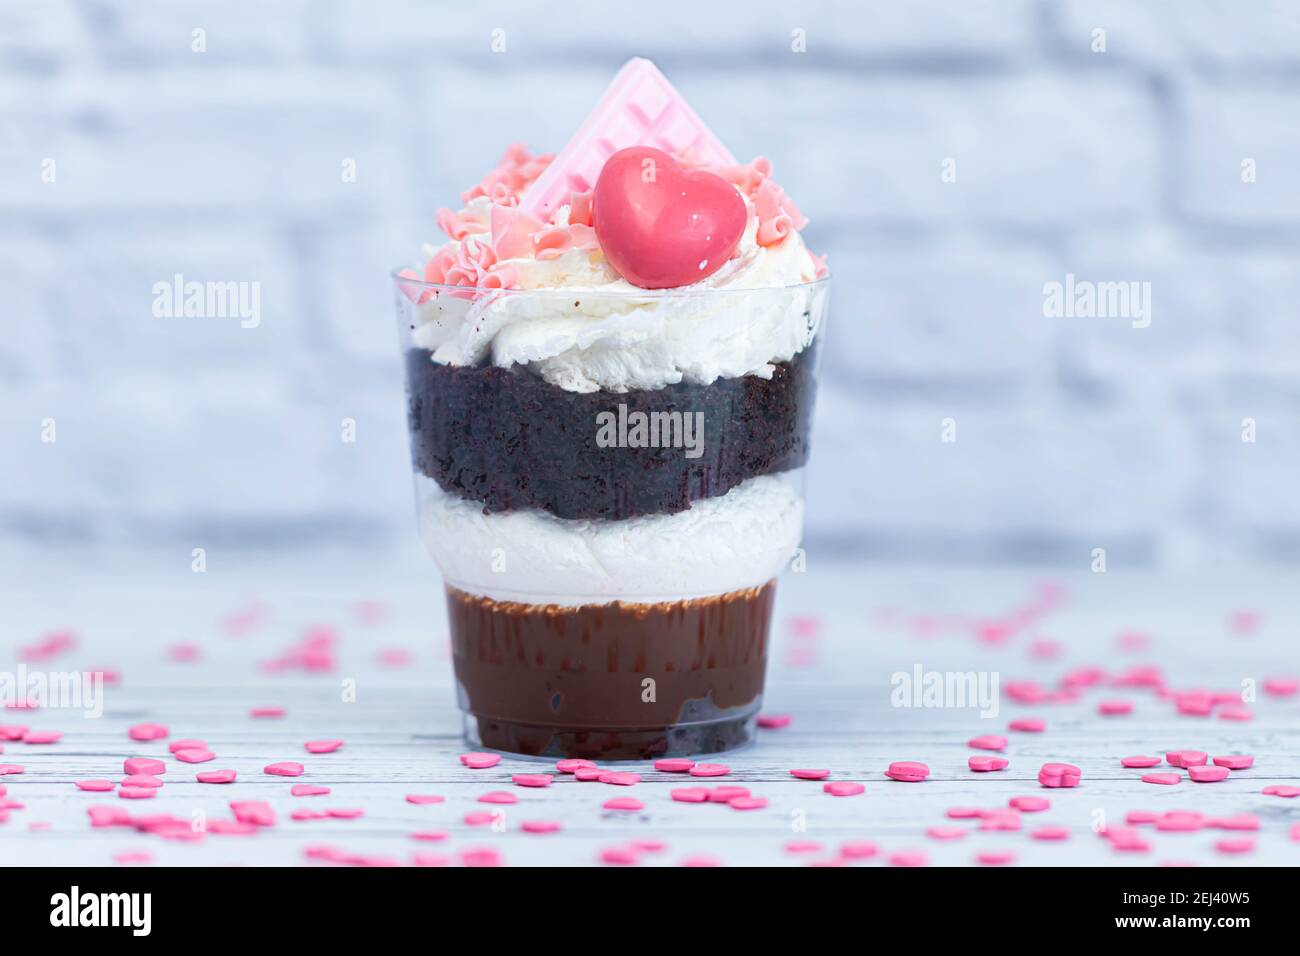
(610, 553)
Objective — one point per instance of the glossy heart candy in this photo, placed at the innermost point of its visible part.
(663, 226)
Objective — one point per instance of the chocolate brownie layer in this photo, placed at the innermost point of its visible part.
(612, 681)
(507, 438)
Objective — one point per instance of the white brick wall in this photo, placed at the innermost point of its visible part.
(1072, 433)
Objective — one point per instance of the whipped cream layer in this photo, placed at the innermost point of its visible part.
(739, 540)
(589, 329)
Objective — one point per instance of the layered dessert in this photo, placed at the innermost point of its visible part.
(610, 373)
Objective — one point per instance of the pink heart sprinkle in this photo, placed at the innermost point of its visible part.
(1030, 804)
(215, 776)
(284, 768)
(498, 796)
(260, 712)
(345, 813)
(480, 761)
(1114, 708)
(1180, 821)
(690, 794)
(1140, 761)
(1028, 725)
(674, 764)
(725, 794)
(308, 815)
(802, 846)
(479, 818)
(430, 836)
(843, 788)
(42, 737)
(423, 798)
(144, 765)
(1000, 819)
(588, 774)
(774, 721)
(1236, 713)
(430, 859)
(95, 786)
(1235, 761)
(1236, 845)
(621, 778)
(9, 768)
(540, 826)
(194, 755)
(995, 857)
(1242, 821)
(148, 732)
(323, 746)
(1050, 833)
(988, 742)
(1164, 779)
(810, 774)
(141, 780)
(572, 764)
(908, 858)
(256, 812)
(945, 833)
(624, 803)
(186, 744)
(1186, 758)
(1208, 774)
(12, 731)
(747, 803)
(137, 793)
(710, 770)
(618, 856)
(309, 790)
(698, 862)
(1059, 775)
(1281, 791)
(987, 764)
(963, 813)
(907, 771)
(858, 849)
(532, 779)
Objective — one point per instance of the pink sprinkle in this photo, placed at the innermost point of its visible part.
(1028, 725)
(42, 737)
(194, 755)
(479, 818)
(215, 776)
(587, 774)
(1295, 832)
(1180, 821)
(144, 765)
(1140, 761)
(132, 857)
(423, 798)
(700, 861)
(988, 742)
(1059, 775)
(285, 768)
(620, 778)
(995, 857)
(1235, 761)
(648, 846)
(141, 780)
(987, 764)
(1050, 833)
(802, 846)
(480, 761)
(1236, 713)
(1235, 845)
(394, 657)
(540, 826)
(618, 856)
(858, 849)
(184, 653)
(256, 812)
(309, 790)
(498, 796)
(12, 731)
(430, 836)
(95, 786)
(260, 712)
(308, 815)
(186, 744)
(571, 765)
(774, 721)
(1030, 804)
(1186, 758)
(1281, 686)
(690, 794)
(907, 771)
(1114, 708)
(148, 732)
(810, 774)
(963, 813)
(843, 788)
(710, 770)
(1000, 819)
(726, 794)
(674, 764)
(345, 813)
(908, 858)
(532, 779)
(136, 793)
(1208, 774)
(9, 768)
(1164, 779)
(1273, 791)
(747, 803)
(945, 833)
(323, 746)
(624, 803)
(1242, 821)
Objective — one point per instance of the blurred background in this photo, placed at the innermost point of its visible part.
(954, 157)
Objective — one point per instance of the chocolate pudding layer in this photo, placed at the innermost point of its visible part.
(611, 681)
(507, 438)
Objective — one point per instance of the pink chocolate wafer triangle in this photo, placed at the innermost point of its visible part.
(640, 108)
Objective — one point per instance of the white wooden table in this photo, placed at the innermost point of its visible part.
(402, 733)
